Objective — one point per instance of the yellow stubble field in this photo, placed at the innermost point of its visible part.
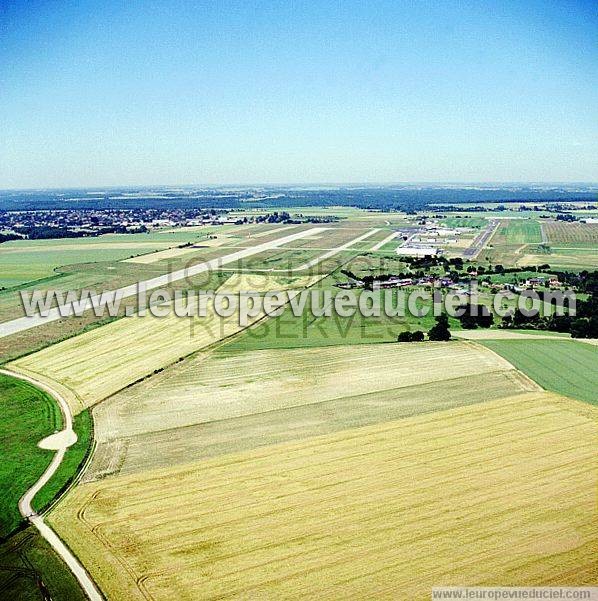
(98, 363)
(259, 282)
(229, 401)
(500, 493)
(231, 384)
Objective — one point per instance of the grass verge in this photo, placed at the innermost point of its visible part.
(28, 414)
(30, 570)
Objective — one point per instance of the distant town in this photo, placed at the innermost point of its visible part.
(78, 223)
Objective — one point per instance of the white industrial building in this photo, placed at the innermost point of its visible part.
(418, 251)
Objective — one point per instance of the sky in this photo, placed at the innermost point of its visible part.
(169, 92)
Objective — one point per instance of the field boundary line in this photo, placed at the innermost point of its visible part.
(507, 372)
(524, 377)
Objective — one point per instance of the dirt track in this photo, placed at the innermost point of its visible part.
(25, 506)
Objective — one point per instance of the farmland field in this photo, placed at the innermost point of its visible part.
(257, 282)
(573, 259)
(235, 400)
(298, 301)
(94, 365)
(518, 231)
(563, 366)
(309, 456)
(307, 330)
(95, 277)
(503, 492)
(473, 222)
(22, 261)
(129, 454)
(562, 232)
(98, 363)
(508, 334)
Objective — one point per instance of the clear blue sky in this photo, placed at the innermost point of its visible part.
(172, 92)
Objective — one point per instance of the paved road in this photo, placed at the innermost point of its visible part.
(25, 503)
(335, 251)
(330, 253)
(380, 244)
(481, 240)
(24, 323)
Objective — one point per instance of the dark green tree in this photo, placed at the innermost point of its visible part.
(440, 331)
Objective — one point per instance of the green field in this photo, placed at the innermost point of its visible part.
(511, 243)
(28, 415)
(289, 331)
(30, 570)
(24, 261)
(520, 231)
(564, 366)
(474, 222)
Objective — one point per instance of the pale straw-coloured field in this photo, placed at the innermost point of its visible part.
(230, 401)
(502, 493)
(232, 384)
(259, 282)
(98, 363)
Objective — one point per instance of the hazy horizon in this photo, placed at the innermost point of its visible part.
(288, 185)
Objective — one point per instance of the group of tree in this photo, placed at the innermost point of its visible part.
(578, 327)
(566, 217)
(475, 316)
(7, 237)
(584, 324)
(275, 217)
(440, 330)
(417, 336)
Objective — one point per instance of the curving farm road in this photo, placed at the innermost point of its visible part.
(60, 443)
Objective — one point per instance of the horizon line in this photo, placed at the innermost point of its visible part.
(288, 185)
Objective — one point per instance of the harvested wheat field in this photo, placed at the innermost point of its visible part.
(500, 493)
(231, 384)
(563, 232)
(224, 402)
(257, 282)
(96, 364)
(165, 448)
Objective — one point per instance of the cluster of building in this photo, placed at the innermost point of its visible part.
(91, 222)
(428, 240)
(398, 282)
(110, 219)
(458, 285)
(530, 284)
